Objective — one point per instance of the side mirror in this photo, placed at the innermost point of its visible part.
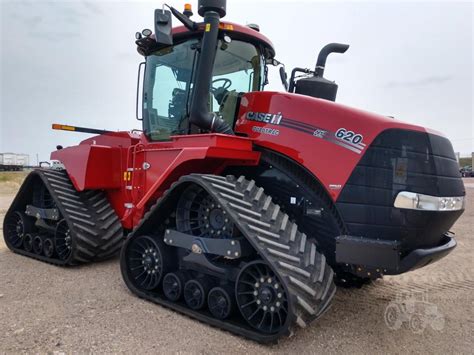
(284, 78)
(163, 34)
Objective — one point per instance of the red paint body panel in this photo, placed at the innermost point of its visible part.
(91, 166)
(135, 172)
(96, 163)
(331, 163)
(132, 187)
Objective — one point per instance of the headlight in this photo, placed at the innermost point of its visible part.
(414, 201)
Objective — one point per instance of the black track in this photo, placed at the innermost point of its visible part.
(291, 258)
(88, 228)
(284, 179)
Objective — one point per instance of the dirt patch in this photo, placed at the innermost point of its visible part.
(44, 308)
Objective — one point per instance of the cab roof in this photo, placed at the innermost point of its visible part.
(235, 31)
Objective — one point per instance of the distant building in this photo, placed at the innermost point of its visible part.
(13, 161)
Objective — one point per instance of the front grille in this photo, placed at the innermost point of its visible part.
(400, 160)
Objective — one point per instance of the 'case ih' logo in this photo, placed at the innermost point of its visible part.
(264, 117)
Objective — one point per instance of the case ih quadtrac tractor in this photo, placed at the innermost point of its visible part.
(242, 207)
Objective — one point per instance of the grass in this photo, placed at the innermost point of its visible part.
(10, 181)
(13, 176)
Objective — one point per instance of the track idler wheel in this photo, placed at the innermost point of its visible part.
(63, 240)
(48, 247)
(219, 302)
(38, 245)
(195, 293)
(261, 299)
(145, 262)
(28, 242)
(17, 225)
(173, 285)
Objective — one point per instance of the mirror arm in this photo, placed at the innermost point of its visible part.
(190, 25)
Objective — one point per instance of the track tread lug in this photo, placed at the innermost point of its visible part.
(266, 204)
(250, 186)
(303, 243)
(258, 195)
(284, 222)
(275, 213)
(273, 243)
(294, 229)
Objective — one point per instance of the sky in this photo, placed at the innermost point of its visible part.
(75, 62)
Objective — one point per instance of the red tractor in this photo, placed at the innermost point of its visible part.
(242, 207)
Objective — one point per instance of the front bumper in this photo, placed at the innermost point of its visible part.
(378, 257)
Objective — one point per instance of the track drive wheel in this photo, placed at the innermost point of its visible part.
(63, 240)
(200, 215)
(145, 262)
(17, 225)
(261, 299)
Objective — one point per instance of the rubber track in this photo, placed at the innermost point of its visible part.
(326, 241)
(96, 230)
(306, 277)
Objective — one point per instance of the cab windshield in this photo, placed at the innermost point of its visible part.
(169, 81)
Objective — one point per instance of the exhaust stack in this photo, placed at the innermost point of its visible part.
(212, 11)
(316, 85)
(323, 55)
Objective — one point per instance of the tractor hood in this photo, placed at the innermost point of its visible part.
(319, 133)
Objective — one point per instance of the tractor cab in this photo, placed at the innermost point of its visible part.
(168, 84)
(192, 66)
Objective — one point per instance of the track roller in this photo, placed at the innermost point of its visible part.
(38, 245)
(28, 242)
(48, 247)
(219, 302)
(195, 293)
(173, 285)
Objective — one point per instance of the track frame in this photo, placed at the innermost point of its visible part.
(304, 274)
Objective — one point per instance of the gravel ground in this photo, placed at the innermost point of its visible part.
(44, 308)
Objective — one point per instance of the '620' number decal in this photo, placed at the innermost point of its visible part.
(349, 136)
